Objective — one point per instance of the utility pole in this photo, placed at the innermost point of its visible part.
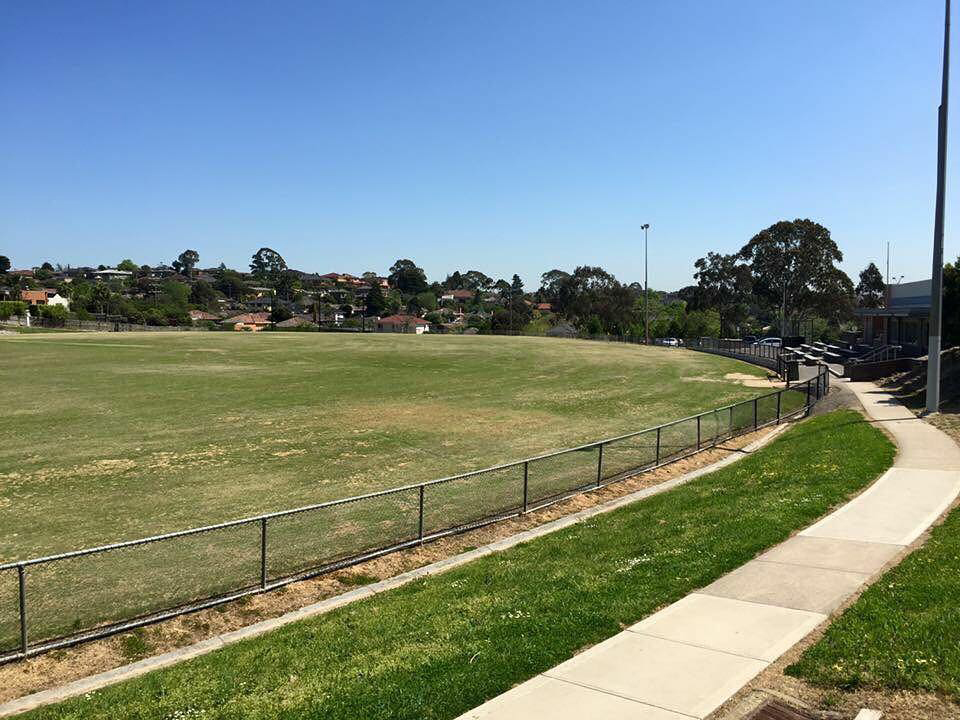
(888, 262)
(646, 287)
(936, 282)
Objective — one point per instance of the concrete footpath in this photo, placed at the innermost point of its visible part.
(686, 660)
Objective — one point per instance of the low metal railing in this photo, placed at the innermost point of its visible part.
(60, 600)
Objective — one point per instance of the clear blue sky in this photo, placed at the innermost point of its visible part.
(503, 135)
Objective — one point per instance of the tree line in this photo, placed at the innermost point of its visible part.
(784, 280)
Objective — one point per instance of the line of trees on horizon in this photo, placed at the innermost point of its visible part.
(784, 279)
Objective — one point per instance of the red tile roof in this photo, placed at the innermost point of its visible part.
(403, 320)
(259, 318)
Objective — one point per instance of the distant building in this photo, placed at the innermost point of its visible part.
(904, 321)
(44, 297)
(111, 274)
(297, 321)
(248, 321)
(403, 323)
(203, 316)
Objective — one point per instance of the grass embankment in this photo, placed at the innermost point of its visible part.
(114, 436)
(438, 647)
(904, 632)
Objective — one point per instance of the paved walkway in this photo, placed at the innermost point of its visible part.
(688, 659)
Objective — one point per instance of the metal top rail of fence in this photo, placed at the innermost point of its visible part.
(67, 598)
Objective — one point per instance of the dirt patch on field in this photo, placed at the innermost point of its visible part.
(63, 666)
(752, 380)
(744, 379)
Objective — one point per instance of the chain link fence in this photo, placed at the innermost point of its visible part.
(63, 599)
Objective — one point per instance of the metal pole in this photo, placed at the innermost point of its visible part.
(526, 475)
(420, 522)
(936, 283)
(698, 432)
(22, 589)
(658, 446)
(755, 403)
(599, 464)
(646, 287)
(263, 553)
(779, 398)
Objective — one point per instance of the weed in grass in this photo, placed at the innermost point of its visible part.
(355, 579)
(134, 645)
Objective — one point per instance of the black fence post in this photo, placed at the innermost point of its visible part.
(599, 464)
(263, 553)
(731, 420)
(756, 423)
(420, 521)
(698, 432)
(779, 399)
(808, 397)
(658, 446)
(526, 476)
(22, 592)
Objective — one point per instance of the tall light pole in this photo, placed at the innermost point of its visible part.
(936, 282)
(646, 287)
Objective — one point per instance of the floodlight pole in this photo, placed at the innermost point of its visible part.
(646, 287)
(936, 281)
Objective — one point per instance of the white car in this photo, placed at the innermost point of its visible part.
(769, 342)
(669, 342)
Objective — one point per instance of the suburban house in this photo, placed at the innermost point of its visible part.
(459, 295)
(44, 297)
(111, 274)
(403, 323)
(203, 316)
(297, 321)
(904, 321)
(248, 321)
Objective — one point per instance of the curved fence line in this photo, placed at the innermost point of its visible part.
(67, 598)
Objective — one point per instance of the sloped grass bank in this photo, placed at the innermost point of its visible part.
(438, 647)
(903, 633)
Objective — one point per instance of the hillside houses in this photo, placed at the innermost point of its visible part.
(223, 298)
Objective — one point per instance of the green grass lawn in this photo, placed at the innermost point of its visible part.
(111, 436)
(438, 647)
(903, 633)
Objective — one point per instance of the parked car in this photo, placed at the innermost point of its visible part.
(750, 339)
(769, 342)
(669, 342)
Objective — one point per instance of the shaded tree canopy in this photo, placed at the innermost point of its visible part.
(267, 265)
(592, 297)
(476, 280)
(407, 277)
(4, 264)
(724, 284)
(951, 303)
(188, 260)
(375, 302)
(871, 289)
(793, 268)
(550, 283)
